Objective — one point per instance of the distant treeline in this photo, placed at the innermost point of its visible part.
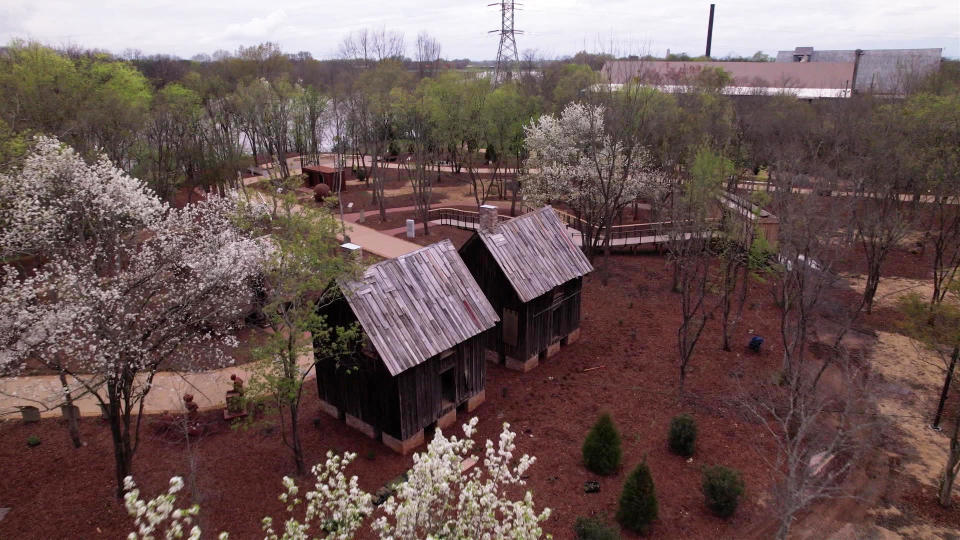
(200, 122)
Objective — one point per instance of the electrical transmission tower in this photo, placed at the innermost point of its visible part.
(508, 61)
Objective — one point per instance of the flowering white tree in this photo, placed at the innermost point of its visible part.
(129, 283)
(439, 499)
(576, 161)
(336, 507)
(55, 201)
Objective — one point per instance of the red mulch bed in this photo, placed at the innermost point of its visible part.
(438, 233)
(628, 332)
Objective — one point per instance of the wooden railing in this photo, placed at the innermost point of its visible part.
(456, 217)
(470, 220)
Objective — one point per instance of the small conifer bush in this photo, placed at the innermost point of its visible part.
(601, 450)
(638, 501)
(594, 529)
(722, 488)
(683, 435)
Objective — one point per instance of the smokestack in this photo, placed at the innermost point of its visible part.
(710, 30)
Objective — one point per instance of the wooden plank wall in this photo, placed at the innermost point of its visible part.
(403, 405)
(420, 393)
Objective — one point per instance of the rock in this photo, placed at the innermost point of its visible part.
(591, 486)
(3, 513)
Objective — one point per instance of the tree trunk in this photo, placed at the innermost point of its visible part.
(870, 290)
(784, 528)
(72, 420)
(297, 447)
(122, 454)
(946, 386)
(950, 471)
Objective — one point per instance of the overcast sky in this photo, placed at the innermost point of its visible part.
(552, 27)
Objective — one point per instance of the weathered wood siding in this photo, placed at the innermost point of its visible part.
(540, 322)
(550, 317)
(403, 405)
(420, 392)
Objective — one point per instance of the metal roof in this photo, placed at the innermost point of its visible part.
(885, 71)
(535, 252)
(418, 305)
(821, 75)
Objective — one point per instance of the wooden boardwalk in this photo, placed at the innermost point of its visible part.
(640, 239)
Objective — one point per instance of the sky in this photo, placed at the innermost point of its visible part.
(553, 28)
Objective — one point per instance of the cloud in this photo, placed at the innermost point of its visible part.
(256, 28)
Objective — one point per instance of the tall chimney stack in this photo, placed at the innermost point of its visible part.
(488, 217)
(710, 31)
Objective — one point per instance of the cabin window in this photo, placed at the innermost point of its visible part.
(510, 327)
(448, 388)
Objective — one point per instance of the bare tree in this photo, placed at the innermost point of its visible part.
(417, 132)
(689, 229)
(818, 435)
(817, 429)
(428, 54)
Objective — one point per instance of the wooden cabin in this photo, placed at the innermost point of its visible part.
(532, 273)
(320, 174)
(423, 317)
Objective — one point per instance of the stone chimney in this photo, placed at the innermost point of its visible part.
(352, 250)
(488, 217)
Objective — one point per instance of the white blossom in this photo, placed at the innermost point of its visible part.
(127, 283)
(575, 161)
(438, 500)
(159, 514)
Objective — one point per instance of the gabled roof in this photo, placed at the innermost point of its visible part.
(418, 305)
(535, 252)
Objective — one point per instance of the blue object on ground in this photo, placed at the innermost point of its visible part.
(755, 343)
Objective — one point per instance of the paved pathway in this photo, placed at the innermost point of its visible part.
(371, 240)
(208, 388)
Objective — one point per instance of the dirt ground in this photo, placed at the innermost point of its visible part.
(633, 377)
(624, 364)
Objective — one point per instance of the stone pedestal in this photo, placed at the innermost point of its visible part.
(30, 414)
(476, 400)
(553, 349)
(361, 426)
(406, 446)
(523, 366)
(572, 337)
(448, 419)
(234, 406)
(329, 409)
(491, 356)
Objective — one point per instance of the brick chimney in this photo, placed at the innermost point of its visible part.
(488, 217)
(352, 250)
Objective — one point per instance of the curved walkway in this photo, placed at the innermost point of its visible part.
(208, 388)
